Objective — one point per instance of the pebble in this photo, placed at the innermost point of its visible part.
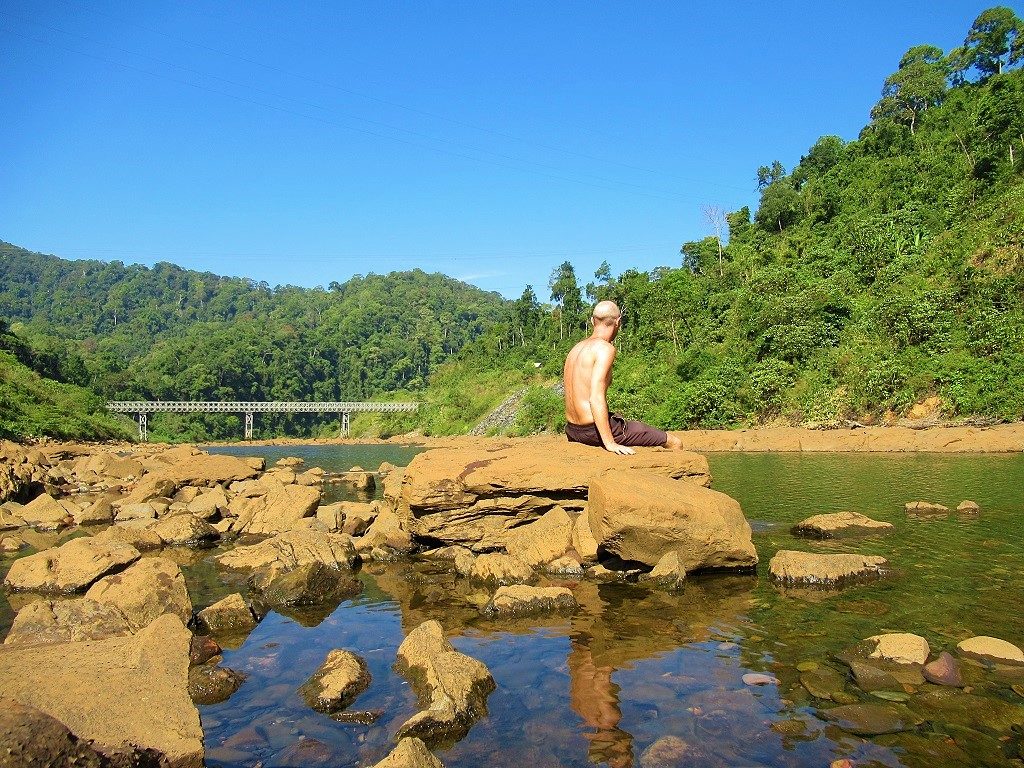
(757, 678)
(807, 666)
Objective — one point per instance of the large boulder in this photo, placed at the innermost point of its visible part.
(71, 567)
(291, 549)
(641, 517)
(47, 513)
(307, 584)
(198, 468)
(267, 506)
(115, 692)
(64, 621)
(541, 541)
(146, 590)
(208, 505)
(825, 570)
(473, 496)
(142, 539)
(454, 686)
(337, 683)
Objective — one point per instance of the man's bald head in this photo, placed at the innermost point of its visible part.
(606, 313)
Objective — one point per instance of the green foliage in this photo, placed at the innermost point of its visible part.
(542, 410)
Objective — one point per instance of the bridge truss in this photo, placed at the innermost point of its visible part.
(142, 408)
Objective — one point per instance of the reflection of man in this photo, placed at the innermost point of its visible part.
(588, 373)
(595, 698)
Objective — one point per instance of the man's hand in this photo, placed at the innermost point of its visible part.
(622, 450)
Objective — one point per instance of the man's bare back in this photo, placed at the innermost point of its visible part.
(587, 376)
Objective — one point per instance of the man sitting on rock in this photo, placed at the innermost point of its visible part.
(588, 372)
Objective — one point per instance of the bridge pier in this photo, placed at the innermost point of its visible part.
(143, 428)
(345, 428)
(248, 425)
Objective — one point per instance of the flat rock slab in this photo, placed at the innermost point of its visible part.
(64, 621)
(472, 496)
(838, 524)
(147, 589)
(825, 570)
(991, 649)
(521, 600)
(207, 469)
(267, 506)
(33, 738)
(115, 692)
(641, 517)
(870, 719)
(71, 567)
(289, 550)
(453, 686)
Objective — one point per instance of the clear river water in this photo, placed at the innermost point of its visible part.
(645, 677)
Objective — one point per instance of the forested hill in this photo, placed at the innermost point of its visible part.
(874, 274)
(169, 333)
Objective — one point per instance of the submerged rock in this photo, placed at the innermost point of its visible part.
(672, 751)
(209, 684)
(825, 570)
(954, 706)
(968, 507)
(337, 683)
(71, 567)
(523, 600)
(870, 719)
(870, 678)
(822, 683)
(410, 753)
(839, 524)
(642, 517)
(925, 509)
(453, 686)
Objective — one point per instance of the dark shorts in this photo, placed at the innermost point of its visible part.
(624, 432)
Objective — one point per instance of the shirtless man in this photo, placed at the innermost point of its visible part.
(588, 372)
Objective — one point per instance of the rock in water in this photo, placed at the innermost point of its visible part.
(839, 524)
(901, 647)
(522, 600)
(410, 753)
(472, 496)
(925, 509)
(642, 517)
(820, 570)
(945, 670)
(211, 685)
(500, 569)
(308, 584)
(669, 572)
(71, 567)
(185, 531)
(289, 550)
(968, 507)
(991, 649)
(454, 686)
(869, 719)
(228, 615)
(115, 692)
(337, 683)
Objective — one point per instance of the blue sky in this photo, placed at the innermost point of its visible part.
(300, 143)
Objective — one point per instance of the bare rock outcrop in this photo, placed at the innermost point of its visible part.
(71, 567)
(291, 549)
(825, 570)
(453, 686)
(145, 591)
(117, 692)
(474, 496)
(65, 621)
(641, 517)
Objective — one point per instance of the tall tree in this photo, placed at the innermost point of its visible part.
(919, 83)
(565, 292)
(995, 41)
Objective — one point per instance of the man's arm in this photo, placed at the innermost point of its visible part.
(601, 377)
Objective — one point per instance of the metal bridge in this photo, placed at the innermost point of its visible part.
(142, 408)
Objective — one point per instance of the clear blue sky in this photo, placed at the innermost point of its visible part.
(303, 142)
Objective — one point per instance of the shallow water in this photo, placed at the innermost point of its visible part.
(637, 667)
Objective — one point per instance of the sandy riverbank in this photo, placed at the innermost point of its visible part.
(1000, 438)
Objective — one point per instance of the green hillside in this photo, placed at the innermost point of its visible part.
(873, 274)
